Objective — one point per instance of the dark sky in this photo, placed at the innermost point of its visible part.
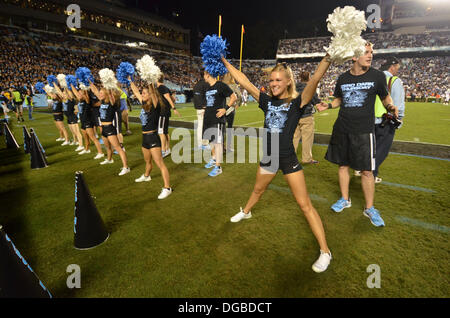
(265, 21)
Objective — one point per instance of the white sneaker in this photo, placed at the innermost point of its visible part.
(143, 178)
(241, 215)
(72, 143)
(65, 143)
(60, 139)
(166, 153)
(79, 148)
(322, 262)
(84, 152)
(357, 173)
(124, 171)
(378, 180)
(106, 161)
(165, 193)
(99, 155)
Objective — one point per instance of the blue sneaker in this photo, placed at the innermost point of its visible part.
(374, 216)
(341, 204)
(210, 164)
(215, 172)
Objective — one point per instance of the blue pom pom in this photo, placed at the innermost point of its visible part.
(84, 75)
(125, 70)
(212, 49)
(52, 79)
(39, 88)
(71, 80)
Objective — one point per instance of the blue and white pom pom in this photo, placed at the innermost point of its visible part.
(71, 80)
(50, 89)
(346, 24)
(62, 80)
(148, 70)
(125, 70)
(39, 88)
(212, 49)
(51, 79)
(108, 78)
(84, 75)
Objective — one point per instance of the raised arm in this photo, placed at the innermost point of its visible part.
(135, 91)
(94, 89)
(242, 79)
(311, 87)
(58, 91)
(75, 92)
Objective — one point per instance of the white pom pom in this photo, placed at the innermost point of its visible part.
(84, 87)
(148, 70)
(49, 89)
(62, 80)
(108, 78)
(346, 24)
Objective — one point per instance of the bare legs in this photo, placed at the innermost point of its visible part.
(155, 154)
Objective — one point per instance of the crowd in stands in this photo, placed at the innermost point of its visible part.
(381, 40)
(28, 57)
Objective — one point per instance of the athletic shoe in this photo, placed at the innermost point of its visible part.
(374, 216)
(60, 139)
(106, 161)
(206, 147)
(357, 173)
(99, 155)
(215, 172)
(165, 193)
(210, 164)
(65, 143)
(129, 132)
(100, 141)
(84, 152)
(312, 161)
(79, 148)
(378, 180)
(322, 262)
(124, 171)
(143, 178)
(72, 143)
(341, 204)
(241, 215)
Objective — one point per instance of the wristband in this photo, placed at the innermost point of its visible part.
(330, 106)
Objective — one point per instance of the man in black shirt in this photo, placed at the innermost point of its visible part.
(200, 105)
(352, 142)
(163, 129)
(214, 119)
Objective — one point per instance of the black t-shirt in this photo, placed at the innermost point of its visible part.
(309, 108)
(281, 120)
(357, 110)
(199, 94)
(92, 101)
(216, 97)
(57, 106)
(165, 111)
(150, 119)
(107, 112)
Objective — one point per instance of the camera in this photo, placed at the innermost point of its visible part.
(390, 119)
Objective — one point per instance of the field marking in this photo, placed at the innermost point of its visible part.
(419, 156)
(398, 185)
(247, 124)
(425, 225)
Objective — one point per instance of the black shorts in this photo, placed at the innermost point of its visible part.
(151, 140)
(109, 130)
(163, 125)
(213, 132)
(87, 123)
(95, 119)
(72, 119)
(287, 165)
(354, 150)
(118, 121)
(59, 117)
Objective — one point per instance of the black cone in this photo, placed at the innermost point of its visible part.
(37, 156)
(89, 228)
(26, 140)
(17, 279)
(10, 140)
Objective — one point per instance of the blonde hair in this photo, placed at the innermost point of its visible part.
(283, 67)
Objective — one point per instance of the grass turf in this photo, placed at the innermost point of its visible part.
(185, 246)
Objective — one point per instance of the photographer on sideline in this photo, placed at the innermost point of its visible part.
(385, 127)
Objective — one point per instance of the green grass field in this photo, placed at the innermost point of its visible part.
(423, 122)
(185, 245)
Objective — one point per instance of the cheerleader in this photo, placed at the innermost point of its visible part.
(151, 102)
(109, 103)
(58, 117)
(282, 107)
(87, 123)
(72, 120)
